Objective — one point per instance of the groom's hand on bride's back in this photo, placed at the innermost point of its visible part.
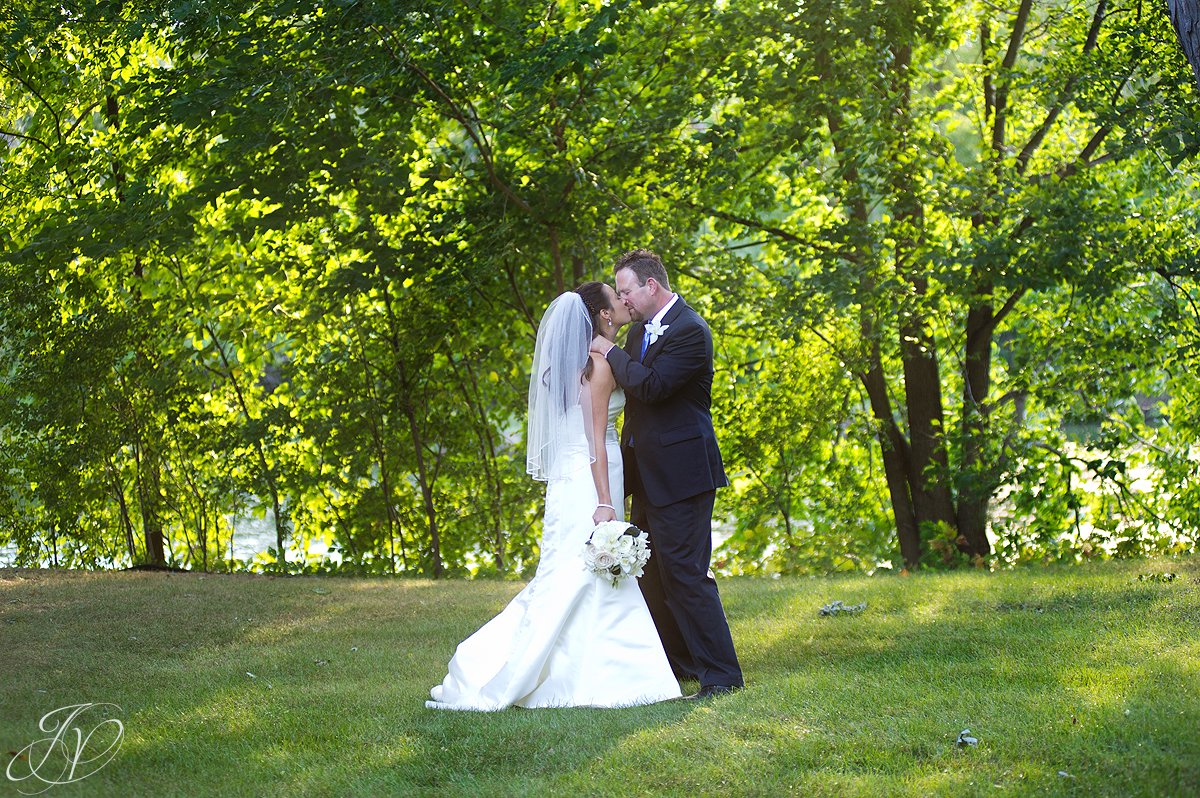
(601, 345)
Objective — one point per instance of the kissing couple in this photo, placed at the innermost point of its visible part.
(571, 638)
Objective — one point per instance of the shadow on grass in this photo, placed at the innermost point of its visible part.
(1094, 678)
(291, 686)
(1052, 677)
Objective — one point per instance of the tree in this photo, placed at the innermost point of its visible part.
(1185, 16)
(288, 259)
(930, 171)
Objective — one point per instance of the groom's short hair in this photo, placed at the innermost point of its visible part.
(645, 264)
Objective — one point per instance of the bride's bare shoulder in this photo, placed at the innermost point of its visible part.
(600, 367)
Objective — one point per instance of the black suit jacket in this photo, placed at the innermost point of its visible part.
(674, 453)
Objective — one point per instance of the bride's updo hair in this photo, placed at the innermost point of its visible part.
(595, 300)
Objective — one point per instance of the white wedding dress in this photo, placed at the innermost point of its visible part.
(570, 638)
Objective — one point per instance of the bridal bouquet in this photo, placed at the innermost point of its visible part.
(616, 550)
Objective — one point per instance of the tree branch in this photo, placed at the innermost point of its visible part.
(16, 135)
(1039, 136)
(82, 115)
(29, 87)
(754, 224)
(1010, 59)
(1007, 307)
(468, 125)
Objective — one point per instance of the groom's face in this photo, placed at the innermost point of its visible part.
(638, 298)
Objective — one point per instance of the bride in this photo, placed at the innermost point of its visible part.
(569, 638)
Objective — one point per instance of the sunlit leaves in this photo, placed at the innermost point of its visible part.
(293, 254)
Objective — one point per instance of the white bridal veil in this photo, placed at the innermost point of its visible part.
(559, 406)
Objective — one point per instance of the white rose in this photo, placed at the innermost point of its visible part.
(606, 562)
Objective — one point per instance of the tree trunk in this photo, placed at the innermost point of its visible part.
(281, 526)
(897, 457)
(123, 505)
(975, 479)
(578, 269)
(148, 464)
(424, 479)
(377, 422)
(933, 501)
(560, 281)
(892, 444)
(928, 475)
(895, 462)
(149, 500)
(395, 527)
(1185, 16)
(468, 385)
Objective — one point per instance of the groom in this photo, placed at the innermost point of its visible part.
(673, 468)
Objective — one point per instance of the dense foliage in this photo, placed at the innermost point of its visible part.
(287, 259)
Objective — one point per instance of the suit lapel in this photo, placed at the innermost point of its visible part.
(667, 320)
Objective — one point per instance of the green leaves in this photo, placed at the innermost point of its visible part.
(289, 259)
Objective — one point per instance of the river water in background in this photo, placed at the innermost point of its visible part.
(251, 537)
(254, 536)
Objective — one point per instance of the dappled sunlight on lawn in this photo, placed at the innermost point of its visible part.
(264, 736)
(315, 686)
(1007, 658)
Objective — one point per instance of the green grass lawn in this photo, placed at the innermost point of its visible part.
(1076, 681)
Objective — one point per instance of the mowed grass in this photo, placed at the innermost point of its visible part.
(1076, 681)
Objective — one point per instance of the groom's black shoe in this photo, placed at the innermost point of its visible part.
(712, 691)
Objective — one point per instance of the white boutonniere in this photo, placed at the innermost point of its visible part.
(654, 330)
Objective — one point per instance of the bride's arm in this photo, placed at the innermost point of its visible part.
(600, 387)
